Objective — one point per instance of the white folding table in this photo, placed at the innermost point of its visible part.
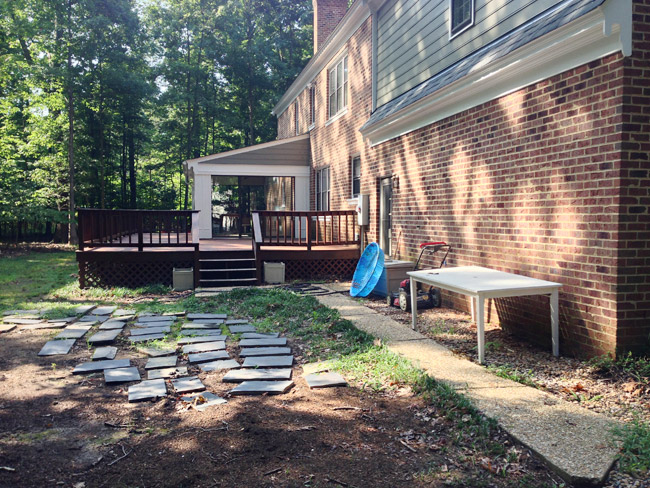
(483, 283)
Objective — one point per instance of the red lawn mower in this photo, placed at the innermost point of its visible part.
(428, 296)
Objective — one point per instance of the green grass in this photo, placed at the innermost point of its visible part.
(638, 367)
(511, 373)
(634, 457)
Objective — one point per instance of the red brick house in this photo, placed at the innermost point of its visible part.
(518, 131)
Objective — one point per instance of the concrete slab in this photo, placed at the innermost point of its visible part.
(112, 325)
(104, 336)
(203, 357)
(202, 401)
(121, 312)
(104, 310)
(121, 375)
(53, 348)
(149, 330)
(200, 326)
(325, 380)
(238, 329)
(260, 335)
(73, 332)
(199, 332)
(161, 362)
(4, 328)
(93, 366)
(219, 365)
(197, 340)
(237, 321)
(147, 390)
(205, 346)
(260, 374)
(187, 384)
(270, 341)
(262, 388)
(156, 318)
(154, 374)
(82, 309)
(145, 338)
(268, 362)
(208, 316)
(104, 353)
(264, 351)
(155, 352)
(94, 318)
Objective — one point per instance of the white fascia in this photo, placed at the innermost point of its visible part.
(606, 30)
(239, 169)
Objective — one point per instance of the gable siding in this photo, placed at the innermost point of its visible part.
(413, 38)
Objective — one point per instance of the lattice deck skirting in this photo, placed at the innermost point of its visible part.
(319, 269)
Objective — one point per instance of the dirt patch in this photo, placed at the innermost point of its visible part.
(22, 248)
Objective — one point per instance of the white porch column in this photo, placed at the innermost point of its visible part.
(203, 201)
(302, 193)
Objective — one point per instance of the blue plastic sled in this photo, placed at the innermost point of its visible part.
(369, 269)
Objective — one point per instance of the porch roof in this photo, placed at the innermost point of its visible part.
(293, 151)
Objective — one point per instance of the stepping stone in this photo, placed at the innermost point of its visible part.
(203, 357)
(64, 319)
(147, 390)
(279, 341)
(208, 316)
(7, 327)
(257, 375)
(205, 346)
(155, 352)
(120, 312)
(151, 325)
(19, 312)
(73, 332)
(260, 335)
(268, 362)
(52, 348)
(217, 365)
(94, 318)
(86, 322)
(145, 338)
(156, 318)
(104, 336)
(112, 325)
(264, 351)
(92, 366)
(325, 380)
(105, 310)
(121, 375)
(161, 362)
(262, 387)
(187, 384)
(107, 352)
(236, 321)
(150, 330)
(207, 321)
(195, 325)
(199, 332)
(205, 338)
(154, 374)
(45, 325)
(237, 329)
(205, 400)
(82, 309)
(22, 321)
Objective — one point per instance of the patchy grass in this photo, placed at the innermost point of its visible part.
(509, 372)
(637, 367)
(634, 457)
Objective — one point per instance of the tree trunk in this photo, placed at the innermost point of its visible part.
(72, 229)
(132, 188)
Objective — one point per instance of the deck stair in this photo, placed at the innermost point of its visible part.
(227, 268)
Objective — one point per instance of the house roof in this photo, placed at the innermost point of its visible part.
(535, 28)
(293, 151)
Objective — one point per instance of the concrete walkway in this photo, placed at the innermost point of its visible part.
(575, 442)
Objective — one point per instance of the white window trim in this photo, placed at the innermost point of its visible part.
(468, 26)
(312, 107)
(337, 116)
(352, 195)
(296, 116)
(330, 67)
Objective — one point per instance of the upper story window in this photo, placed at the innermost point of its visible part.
(295, 116)
(323, 189)
(356, 176)
(338, 87)
(312, 105)
(462, 16)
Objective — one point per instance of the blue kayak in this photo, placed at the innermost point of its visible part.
(369, 269)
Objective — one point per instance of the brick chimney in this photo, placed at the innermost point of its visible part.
(327, 15)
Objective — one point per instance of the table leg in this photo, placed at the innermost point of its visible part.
(414, 303)
(480, 327)
(555, 323)
(473, 309)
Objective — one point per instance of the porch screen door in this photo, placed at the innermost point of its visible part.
(385, 211)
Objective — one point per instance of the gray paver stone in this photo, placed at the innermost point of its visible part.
(271, 341)
(154, 374)
(156, 318)
(149, 330)
(104, 336)
(208, 321)
(205, 400)
(236, 321)
(105, 310)
(325, 380)
(112, 325)
(64, 319)
(187, 384)
(152, 325)
(268, 362)
(6, 313)
(145, 338)
(202, 357)
(121, 375)
(81, 309)
(205, 346)
(7, 327)
(161, 362)
(217, 365)
(207, 316)
(94, 318)
(237, 329)
(155, 352)
(200, 326)
(147, 390)
(197, 340)
(260, 335)
(73, 332)
(106, 352)
(21, 321)
(120, 312)
(44, 325)
(52, 348)
(262, 387)
(92, 366)
(264, 351)
(200, 332)
(274, 374)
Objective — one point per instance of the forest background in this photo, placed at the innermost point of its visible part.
(101, 101)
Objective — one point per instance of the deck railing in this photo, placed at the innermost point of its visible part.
(138, 228)
(307, 229)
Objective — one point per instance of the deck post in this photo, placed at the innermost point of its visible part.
(80, 231)
(140, 232)
(197, 267)
(308, 233)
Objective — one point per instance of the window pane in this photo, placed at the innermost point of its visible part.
(345, 69)
(332, 104)
(339, 74)
(332, 87)
(345, 94)
(339, 99)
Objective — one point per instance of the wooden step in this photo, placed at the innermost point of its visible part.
(225, 270)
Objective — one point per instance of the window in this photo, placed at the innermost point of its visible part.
(312, 106)
(462, 16)
(338, 87)
(323, 189)
(356, 176)
(295, 116)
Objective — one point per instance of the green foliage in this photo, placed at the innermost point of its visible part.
(511, 373)
(634, 457)
(637, 367)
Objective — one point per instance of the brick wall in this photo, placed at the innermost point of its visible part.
(528, 183)
(327, 15)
